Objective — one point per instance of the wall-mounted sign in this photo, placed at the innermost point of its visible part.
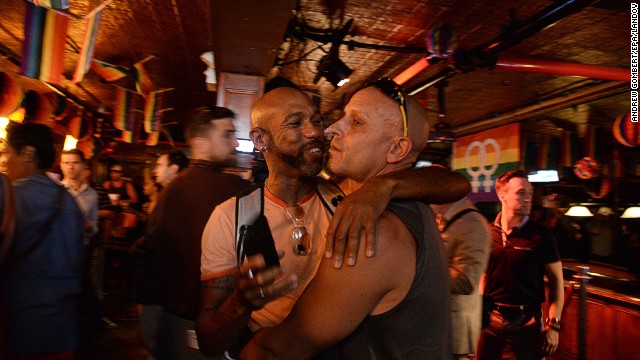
(483, 156)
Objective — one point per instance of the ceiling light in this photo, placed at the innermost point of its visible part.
(69, 143)
(579, 211)
(631, 213)
(334, 70)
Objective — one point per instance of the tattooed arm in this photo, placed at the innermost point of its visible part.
(228, 300)
(223, 315)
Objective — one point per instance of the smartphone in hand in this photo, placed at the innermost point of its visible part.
(257, 239)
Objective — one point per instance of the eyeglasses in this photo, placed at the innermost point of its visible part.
(395, 92)
(300, 238)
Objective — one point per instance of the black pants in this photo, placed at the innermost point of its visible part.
(515, 329)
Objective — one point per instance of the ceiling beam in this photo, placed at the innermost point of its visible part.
(593, 93)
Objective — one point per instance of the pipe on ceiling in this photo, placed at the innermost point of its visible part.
(484, 56)
(563, 68)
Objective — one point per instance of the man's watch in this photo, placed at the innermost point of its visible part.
(553, 323)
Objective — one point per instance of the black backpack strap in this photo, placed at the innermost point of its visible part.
(458, 216)
(330, 194)
(249, 206)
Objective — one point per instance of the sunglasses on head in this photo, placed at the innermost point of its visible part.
(395, 92)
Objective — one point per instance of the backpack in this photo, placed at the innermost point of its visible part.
(250, 210)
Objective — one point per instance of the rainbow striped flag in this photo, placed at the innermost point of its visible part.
(484, 156)
(124, 112)
(88, 45)
(45, 34)
(153, 138)
(143, 81)
(52, 4)
(127, 136)
(109, 73)
(152, 112)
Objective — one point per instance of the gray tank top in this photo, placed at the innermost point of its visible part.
(419, 326)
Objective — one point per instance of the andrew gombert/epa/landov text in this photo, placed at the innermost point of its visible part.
(634, 62)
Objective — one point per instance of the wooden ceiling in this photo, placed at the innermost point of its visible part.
(252, 36)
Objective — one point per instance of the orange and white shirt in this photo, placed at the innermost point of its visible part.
(219, 257)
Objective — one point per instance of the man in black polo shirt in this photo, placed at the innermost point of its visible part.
(522, 253)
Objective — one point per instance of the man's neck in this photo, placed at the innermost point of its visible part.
(510, 219)
(288, 189)
(74, 184)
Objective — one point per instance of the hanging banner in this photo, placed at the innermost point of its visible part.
(484, 156)
(45, 34)
(88, 44)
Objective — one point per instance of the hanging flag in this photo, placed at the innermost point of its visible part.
(52, 4)
(109, 73)
(127, 136)
(483, 156)
(124, 116)
(143, 81)
(153, 138)
(45, 34)
(152, 113)
(88, 45)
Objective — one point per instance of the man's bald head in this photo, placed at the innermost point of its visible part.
(280, 98)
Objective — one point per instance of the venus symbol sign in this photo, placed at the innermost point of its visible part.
(484, 168)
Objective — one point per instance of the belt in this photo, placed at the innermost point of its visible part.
(502, 306)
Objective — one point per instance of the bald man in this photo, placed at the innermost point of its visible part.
(288, 129)
(396, 305)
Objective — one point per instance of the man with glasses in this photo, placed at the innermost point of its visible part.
(287, 128)
(394, 306)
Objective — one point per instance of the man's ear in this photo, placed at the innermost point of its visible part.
(258, 137)
(175, 168)
(400, 149)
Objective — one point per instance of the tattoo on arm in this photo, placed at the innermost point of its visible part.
(221, 288)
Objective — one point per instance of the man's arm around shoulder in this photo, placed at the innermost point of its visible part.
(338, 300)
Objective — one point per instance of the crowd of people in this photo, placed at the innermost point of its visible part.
(363, 267)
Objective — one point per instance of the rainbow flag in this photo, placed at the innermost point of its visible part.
(88, 45)
(45, 34)
(109, 73)
(143, 81)
(124, 116)
(484, 156)
(152, 112)
(127, 136)
(153, 138)
(52, 4)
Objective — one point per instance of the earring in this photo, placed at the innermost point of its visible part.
(263, 148)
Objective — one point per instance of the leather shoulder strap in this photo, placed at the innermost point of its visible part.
(249, 206)
(330, 194)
